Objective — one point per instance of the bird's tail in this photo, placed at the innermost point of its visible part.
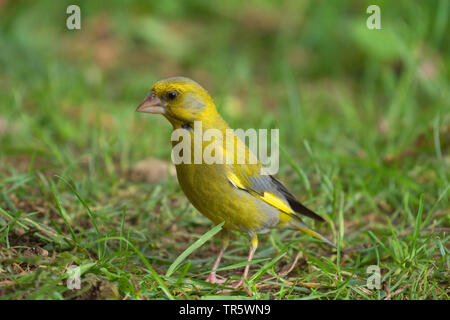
(296, 223)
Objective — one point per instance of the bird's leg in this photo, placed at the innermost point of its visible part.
(253, 246)
(212, 278)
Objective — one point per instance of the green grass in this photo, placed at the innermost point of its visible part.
(364, 132)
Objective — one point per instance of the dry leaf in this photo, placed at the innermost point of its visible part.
(152, 170)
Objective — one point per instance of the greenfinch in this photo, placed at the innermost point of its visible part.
(235, 193)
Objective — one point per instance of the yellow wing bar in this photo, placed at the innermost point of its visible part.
(266, 196)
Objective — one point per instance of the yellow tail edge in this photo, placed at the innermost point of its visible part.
(304, 228)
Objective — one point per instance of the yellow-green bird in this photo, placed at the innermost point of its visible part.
(232, 192)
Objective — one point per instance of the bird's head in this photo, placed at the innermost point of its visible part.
(179, 99)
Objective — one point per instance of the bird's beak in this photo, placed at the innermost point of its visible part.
(152, 104)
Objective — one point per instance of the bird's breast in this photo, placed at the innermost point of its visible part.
(208, 189)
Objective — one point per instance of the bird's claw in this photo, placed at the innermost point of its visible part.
(212, 278)
(237, 285)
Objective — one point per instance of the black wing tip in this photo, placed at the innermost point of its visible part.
(294, 203)
(298, 207)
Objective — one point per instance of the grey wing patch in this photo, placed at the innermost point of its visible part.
(263, 184)
(270, 184)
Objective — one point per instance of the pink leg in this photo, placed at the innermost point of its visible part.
(253, 246)
(212, 278)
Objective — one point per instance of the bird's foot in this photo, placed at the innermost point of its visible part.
(235, 286)
(238, 284)
(213, 278)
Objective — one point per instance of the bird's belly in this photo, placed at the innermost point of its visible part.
(210, 192)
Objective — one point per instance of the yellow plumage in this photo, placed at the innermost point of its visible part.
(233, 193)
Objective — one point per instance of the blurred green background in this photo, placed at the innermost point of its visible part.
(363, 118)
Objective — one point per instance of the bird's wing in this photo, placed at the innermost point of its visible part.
(272, 191)
(248, 177)
(293, 202)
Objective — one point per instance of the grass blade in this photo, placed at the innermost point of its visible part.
(197, 244)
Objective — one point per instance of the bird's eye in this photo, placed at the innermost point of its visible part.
(171, 95)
